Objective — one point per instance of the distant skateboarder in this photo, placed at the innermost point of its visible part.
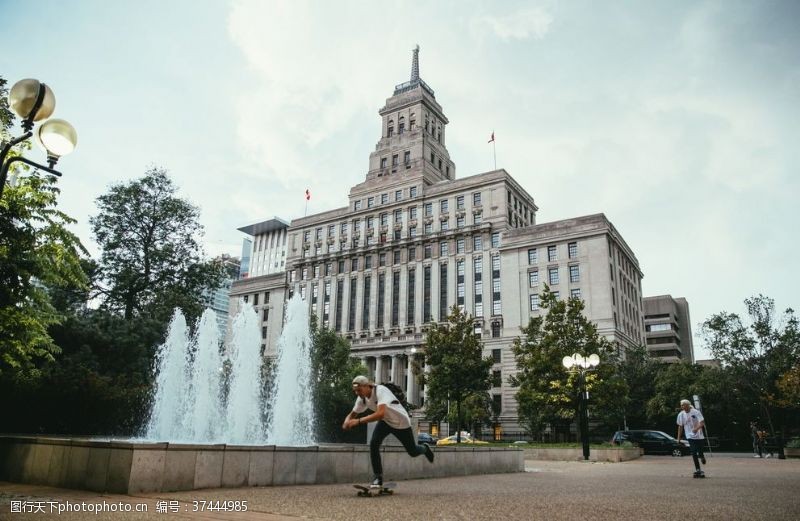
(691, 422)
(392, 418)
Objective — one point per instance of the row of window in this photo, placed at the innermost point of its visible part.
(553, 277)
(552, 253)
(535, 301)
(412, 193)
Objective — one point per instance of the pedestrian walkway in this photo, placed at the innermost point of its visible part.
(651, 488)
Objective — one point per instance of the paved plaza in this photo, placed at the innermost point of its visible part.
(651, 488)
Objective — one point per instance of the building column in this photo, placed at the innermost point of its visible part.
(411, 382)
(378, 369)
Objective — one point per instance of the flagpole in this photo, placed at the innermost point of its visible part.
(494, 153)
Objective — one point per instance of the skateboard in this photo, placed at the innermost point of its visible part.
(367, 491)
(699, 475)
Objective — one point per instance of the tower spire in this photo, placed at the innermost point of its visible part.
(415, 64)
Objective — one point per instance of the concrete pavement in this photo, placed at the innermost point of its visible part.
(651, 488)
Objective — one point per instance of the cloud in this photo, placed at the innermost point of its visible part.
(522, 25)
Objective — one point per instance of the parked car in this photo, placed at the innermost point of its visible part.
(427, 439)
(652, 442)
(451, 440)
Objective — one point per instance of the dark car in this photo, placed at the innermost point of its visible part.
(427, 439)
(652, 442)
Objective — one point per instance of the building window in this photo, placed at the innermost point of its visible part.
(365, 307)
(343, 229)
(460, 202)
(534, 302)
(412, 192)
(476, 199)
(460, 245)
(442, 291)
(574, 274)
(381, 299)
(354, 265)
(382, 259)
(461, 221)
(407, 158)
(496, 240)
(496, 334)
(395, 298)
(356, 205)
(496, 352)
(412, 212)
(384, 198)
(533, 278)
(412, 254)
(477, 217)
(427, 253)
(317, 269)
(428, 209)
(433, 159)
(370, 202)
(412, 231)
(398, 216)
(533, 257)
(443, 206)
(367, 262)
(443, 249)
(477, 243)
(575, 293)
(552, 254)
(426, 294)
(255, 299)
(428, 227)
(553, 275)
(573, 250)
(445, 226)
(331, 230)
(384, 219)
(398, 195)
(383, 163)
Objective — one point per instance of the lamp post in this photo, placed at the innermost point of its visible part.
(581, 365)
(33, 101)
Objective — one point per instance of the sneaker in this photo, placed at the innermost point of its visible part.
(756, 456)
(769, 455)
(703, 459)
(377, 482)
(429, 453)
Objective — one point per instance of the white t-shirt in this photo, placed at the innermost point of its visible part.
(396, 416)
(690, 420)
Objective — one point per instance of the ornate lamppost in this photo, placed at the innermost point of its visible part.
(33, 101)
(577, 363)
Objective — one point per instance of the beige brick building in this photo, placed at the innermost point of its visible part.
(414, 240)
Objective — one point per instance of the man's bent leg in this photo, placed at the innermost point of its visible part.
(378, 435)
(406, 437)
(696, 447)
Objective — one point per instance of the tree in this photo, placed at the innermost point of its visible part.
(457, 369)
(151, 261)
(38, 254)
(638, 369)
(757, 356)
(548, 393)
(332, 373)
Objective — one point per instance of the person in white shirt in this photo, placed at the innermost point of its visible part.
(392, 418)
(690, 421)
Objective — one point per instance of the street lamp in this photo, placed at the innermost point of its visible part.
(581, 365)
(33, 101)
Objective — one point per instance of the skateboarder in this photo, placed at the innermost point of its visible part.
(392, 418)
(690, 421)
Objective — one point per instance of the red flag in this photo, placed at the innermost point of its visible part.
(492, 137)
(308, 195)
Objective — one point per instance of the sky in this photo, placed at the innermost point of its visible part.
(679, 120)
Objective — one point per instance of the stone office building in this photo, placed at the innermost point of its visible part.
(668, 329)
(414, 240)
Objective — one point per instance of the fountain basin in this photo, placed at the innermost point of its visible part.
(131, 467)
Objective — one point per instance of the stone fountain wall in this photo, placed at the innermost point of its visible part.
(125, 467)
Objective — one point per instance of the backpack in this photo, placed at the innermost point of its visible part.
(399, 394)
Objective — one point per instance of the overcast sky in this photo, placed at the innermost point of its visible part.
(680, 120)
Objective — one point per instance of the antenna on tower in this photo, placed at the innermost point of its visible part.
(415, 64)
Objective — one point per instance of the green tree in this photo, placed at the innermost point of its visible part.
(639, 370)
(759, 355)
(151, 260)
(548, 393)
(457, 369)
(332, 373)
(38, 253)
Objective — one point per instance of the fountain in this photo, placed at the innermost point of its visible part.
(189, 404)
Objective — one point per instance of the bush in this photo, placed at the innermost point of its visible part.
(794, 443)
